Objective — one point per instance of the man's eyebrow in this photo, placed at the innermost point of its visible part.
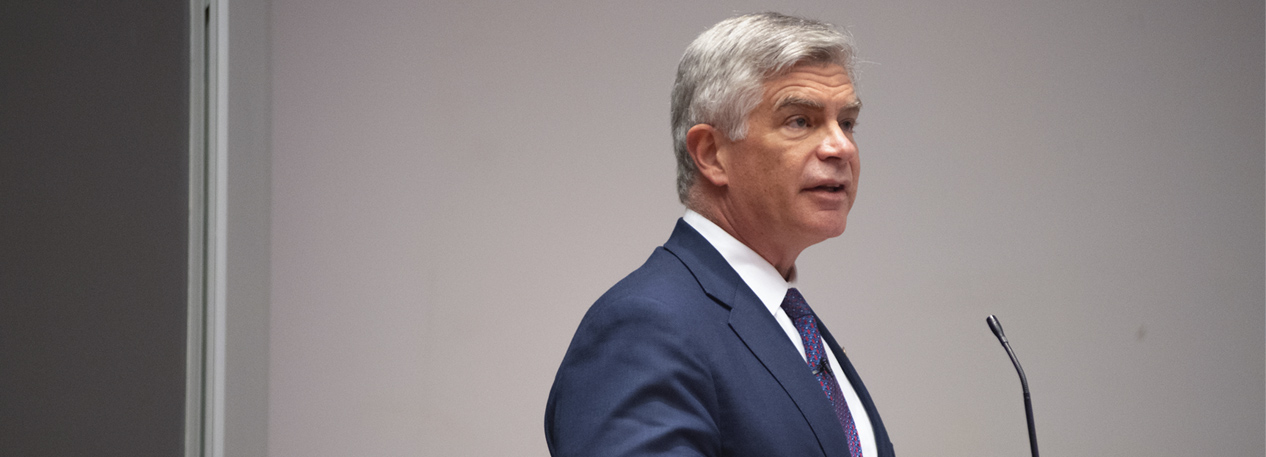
(801, 102)
(796, 101)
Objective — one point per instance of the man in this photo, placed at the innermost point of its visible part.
(705, 350)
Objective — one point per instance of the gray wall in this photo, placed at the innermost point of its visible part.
(454, 184)
(94, 201)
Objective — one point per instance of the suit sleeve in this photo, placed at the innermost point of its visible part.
(632, 384)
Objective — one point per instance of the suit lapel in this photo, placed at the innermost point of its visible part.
(762, 335)
(767, 341)
(882, 442)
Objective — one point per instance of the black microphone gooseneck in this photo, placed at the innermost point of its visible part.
(1024, 383)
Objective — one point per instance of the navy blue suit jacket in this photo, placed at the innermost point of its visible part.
(681, 358)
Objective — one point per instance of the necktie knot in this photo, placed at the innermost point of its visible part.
(795, 305)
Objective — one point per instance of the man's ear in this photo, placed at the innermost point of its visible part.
(704, 143)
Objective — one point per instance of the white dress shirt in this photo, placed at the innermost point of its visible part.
(770, 288)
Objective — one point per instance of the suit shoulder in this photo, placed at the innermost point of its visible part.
(635, 360)
(662, 286)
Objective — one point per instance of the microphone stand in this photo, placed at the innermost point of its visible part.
(1024, 382)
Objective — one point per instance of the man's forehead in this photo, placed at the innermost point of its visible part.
(809, 83)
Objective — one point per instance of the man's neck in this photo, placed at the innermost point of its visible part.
(785, 264)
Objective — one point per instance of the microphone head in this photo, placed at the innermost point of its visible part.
(996, 327)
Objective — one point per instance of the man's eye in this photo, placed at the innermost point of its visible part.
(848, 125)
(798, 122)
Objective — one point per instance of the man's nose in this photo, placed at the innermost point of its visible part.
(837, 144)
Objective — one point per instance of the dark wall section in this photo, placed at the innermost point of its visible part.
(93, 227)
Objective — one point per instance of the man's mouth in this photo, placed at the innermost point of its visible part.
(829, 188)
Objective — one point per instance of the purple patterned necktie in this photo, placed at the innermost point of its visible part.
(800, 313)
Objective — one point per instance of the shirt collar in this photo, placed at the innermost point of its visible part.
(755, 271)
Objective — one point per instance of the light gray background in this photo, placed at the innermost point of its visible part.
(455, 183)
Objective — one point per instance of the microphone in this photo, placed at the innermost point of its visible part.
(1024, 383)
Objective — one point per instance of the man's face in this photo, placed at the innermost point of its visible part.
(793, 178)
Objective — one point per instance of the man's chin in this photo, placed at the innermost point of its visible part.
(837, 232)
(829, 228)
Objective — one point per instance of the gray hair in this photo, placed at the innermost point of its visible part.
(721, 76)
